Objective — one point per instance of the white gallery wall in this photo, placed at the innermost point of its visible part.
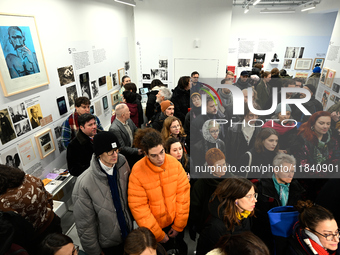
(300, 29)
(176, 24)
(328, 92)
(102, 32)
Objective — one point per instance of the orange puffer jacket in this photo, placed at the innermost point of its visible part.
(159, 196)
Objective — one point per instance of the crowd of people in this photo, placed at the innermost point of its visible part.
(191, 165)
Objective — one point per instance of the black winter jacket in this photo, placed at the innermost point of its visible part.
(181, 100)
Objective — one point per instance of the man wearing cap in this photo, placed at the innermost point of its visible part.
(242, 82)
(315, 77)
(101, 211)
(168, 109)
(80, 149)
(313, 105)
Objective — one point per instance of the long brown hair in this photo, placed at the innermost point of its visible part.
(167, 148)
(227, 192)
(166, 127)
(139, 240)
(263, 135)
(306, 128)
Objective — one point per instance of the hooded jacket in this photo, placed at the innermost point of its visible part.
(181, 100)
(94, 212)
(150, 104)
(314, 79)
(159, 196)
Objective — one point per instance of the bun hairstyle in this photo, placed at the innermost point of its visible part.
(311, 214)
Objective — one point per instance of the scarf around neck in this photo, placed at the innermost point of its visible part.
(282, 190)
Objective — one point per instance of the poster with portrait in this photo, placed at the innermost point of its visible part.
(66, 75)
(330, 78)
(22, 64)
(324, 99)
(6, 127)
(45, 143)
(35, 115)
(323, 76)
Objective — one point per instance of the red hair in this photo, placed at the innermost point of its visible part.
(306, 128)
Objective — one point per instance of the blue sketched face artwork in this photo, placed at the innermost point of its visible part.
(19, 52)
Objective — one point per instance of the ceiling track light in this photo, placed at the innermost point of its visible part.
(246, 9)
(256, 2)
(310, 7)
(271, 11)
(127, 2)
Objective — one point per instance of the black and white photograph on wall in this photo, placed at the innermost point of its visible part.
(292, 52)
(62, 107)
(60, 146)
(126, 66)
(85, 85)
(163, 63)
(72, 95)
(337, 100)
(332, 97)
(57, 131)
(259, 58)
(92, 109)
(6, 127)
(105, 103)
(336, 87)
(66, 75)
(155, 74)
(102, 81)
(11, 158)
(35, 115)
(146, 76)
(22, 127)
(164, 75)
(302, 49)
(114, 79)
(287, 63)
(18, 112)
(94, 88)
(243, 62)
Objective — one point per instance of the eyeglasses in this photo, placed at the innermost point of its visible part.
(111, 152)
(250, 196)
(178, 126)
(75, 249)
(214, 131)
(329, 237)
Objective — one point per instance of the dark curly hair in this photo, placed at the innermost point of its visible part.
(53, 243)
(147, 139)
(10, 177)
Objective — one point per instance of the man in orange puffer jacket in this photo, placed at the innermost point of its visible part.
(159, 190)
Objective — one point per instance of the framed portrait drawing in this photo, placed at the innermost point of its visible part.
(121, 73)
(323, 76)
(114, 97)
(105, 104)
(330, 78)
(22, 63)
(303, 63)
(318, 62)
(45, 143)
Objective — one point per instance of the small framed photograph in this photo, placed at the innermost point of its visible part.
(61, 102)
(121, 73)
(114, 97)
(318, 62)
(323, 76)
(303, 63)
(105, 104)
(22, 63)
(45, 143)
(330, 78)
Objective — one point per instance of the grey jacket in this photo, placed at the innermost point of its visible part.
(94, 211)
(120, 132)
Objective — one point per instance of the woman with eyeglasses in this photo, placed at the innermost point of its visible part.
(316, 232)
(231, 208)
(59, 244)
(172, 127)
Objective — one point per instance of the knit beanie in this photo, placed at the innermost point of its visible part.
(213, 155)
(195, 94)
(165, 104)
(311, 88)
(104, 142)
(278, 108)
(317, 69)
